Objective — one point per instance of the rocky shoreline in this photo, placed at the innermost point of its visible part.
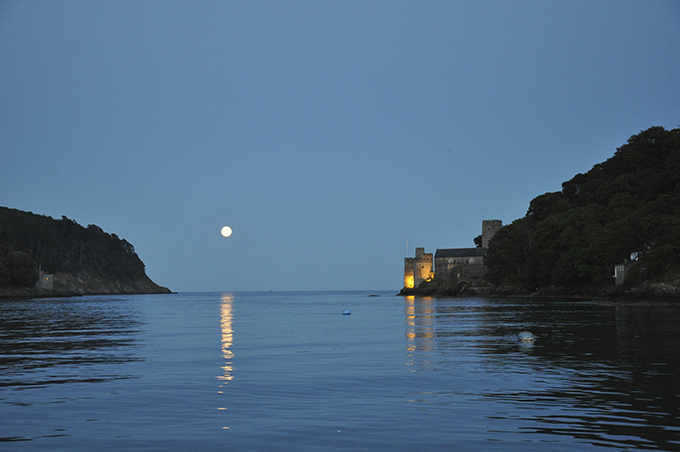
(645, 294)
(84, 283)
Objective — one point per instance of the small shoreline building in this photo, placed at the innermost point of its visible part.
(45, 280)
(467, 263)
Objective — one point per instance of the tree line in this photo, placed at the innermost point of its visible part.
(627, 206)
(29, 241)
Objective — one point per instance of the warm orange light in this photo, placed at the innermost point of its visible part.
(410, 311)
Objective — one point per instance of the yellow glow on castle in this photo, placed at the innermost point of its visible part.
(418, 269)
(408, 281)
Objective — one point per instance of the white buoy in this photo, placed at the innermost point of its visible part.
(346, 312)
(525, 336)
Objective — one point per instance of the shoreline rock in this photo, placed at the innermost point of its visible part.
(659, 293)
(84, 283)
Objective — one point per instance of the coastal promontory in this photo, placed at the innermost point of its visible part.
(611, 232)
(43, 257)
(614, 229)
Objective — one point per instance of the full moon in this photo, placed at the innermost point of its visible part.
(226, 231)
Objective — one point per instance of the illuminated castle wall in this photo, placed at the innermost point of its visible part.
(418, 269)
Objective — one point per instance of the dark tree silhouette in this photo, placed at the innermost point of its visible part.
(628, 204)
(28, 240)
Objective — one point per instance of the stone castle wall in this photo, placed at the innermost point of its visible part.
(409, 277)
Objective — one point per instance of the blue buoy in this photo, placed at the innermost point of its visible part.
(525, 336)
(346, 312)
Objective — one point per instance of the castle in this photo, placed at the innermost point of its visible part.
(465, 263)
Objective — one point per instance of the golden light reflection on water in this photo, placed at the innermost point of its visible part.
(226, 325)
(410, 311)
(420, 333)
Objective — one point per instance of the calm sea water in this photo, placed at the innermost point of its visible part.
(288, 372)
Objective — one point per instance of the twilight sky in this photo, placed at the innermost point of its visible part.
(327, 134)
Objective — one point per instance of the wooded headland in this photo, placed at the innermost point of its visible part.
(41, 256)
(611, 232)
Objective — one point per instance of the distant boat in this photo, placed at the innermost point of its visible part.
(346, 312)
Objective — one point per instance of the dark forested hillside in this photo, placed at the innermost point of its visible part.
(28, 240)
(574, 238)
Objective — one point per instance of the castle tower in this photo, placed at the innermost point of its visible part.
(489, 229)
(422, 268)
(418, 269)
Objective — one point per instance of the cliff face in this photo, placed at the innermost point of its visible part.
(84, 283)
(87, 283)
